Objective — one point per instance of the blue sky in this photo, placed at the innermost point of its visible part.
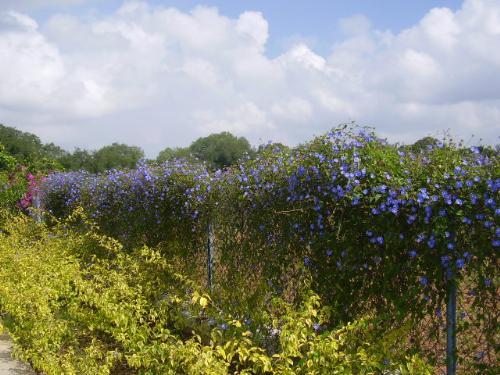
(84, 73)
(314, 21)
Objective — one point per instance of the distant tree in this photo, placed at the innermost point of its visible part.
(220, 150)
(116, 156)
(175, 153)
(423, 144)
(52, 151)
(78, 159)
(21, 145)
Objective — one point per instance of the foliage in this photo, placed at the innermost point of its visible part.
(117, 156)
(144, 206)
(77, 160)
(12, 182)
(172, 154)
(220, 150)
(75, 303)
(28, 149)
(7, 161)
(19, 183)
(378, 228)
(424, 144)
(23, 146)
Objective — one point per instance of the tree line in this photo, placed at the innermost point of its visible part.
(217, 151)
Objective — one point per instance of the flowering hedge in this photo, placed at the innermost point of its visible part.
(74, 303)
(378, 227)
(148, 205)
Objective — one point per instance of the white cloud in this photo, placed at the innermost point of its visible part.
(157, 77)
(38, 4)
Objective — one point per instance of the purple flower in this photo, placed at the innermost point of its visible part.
(445, 260)
(431, 242)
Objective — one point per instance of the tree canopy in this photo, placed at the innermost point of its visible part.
(21, 145)
(175, 153)
(220, 150)
(117, 155)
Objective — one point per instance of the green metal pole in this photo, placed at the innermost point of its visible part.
(451, 325)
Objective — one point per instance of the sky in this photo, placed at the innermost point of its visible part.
(156, 74)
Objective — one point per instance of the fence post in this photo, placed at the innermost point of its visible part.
(37, 206)
(210, 255)
(451, 325)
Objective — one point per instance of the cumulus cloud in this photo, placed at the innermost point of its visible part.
(157, 76)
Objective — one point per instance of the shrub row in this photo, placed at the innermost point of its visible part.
(379, 228)
(75, 303)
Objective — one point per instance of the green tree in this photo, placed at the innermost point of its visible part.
(52, 151)
(21, 145)
(220, 150)
(175, 153)
(423, 144)
(78, 159)
(116, 155)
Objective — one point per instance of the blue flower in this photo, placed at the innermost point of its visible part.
(431, 242)
(423, 280)
(445, 260)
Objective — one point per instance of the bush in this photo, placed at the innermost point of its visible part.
(380, 229)
(75, 303)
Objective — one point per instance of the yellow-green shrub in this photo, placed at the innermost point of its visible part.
(75, 304)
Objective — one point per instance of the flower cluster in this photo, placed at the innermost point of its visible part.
(30, 197)
(149, 204)
(371, 221)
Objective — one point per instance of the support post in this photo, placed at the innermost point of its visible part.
(210, 255)
(37, 207)
(451, 325)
